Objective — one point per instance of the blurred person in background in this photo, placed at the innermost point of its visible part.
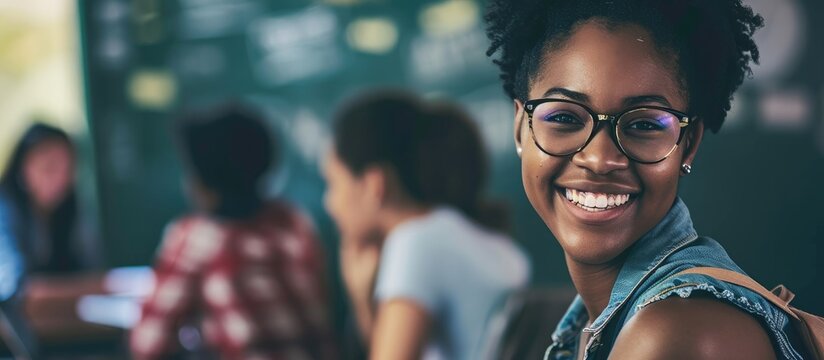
(424, 256)
(612, 99)
(246, 270)
(40, 230)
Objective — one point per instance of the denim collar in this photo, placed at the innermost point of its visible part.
(673, 232)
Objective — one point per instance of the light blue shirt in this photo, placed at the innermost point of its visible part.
(454, 268)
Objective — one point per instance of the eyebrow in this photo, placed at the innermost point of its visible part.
(630, 101)
(573, 95)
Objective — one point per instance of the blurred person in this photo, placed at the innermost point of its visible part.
(424, 257)
(246, 270)
(40, 230)
(39, 204)
(612, 99)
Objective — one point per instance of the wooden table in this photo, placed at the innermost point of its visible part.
(63, 310)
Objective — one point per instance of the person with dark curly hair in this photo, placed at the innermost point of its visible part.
(611, 102)
(246, 270)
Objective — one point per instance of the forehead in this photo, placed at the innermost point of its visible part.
(333, 167)
(609, 64)
(50, 148)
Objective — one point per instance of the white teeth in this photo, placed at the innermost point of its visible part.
(590, 200)
(595, 201)
(602, 201)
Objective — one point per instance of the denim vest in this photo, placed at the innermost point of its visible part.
(647, 276)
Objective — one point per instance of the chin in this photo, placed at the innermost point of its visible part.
(593, 249)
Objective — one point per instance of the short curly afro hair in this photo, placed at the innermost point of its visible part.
(711, 41)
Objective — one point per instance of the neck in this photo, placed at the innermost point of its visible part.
(396, 216)
(594, 283)
(42, 212)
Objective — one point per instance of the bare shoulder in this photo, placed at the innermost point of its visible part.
(694, 328)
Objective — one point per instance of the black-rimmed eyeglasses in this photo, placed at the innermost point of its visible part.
(646, 134)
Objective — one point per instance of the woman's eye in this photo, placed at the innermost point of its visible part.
(646, 125)
(562, 118)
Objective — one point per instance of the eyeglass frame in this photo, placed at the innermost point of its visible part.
(684, 120)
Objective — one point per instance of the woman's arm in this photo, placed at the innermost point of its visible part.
(398, 327)
(359, 265)
(12, 263)
(401, 330)
(20, 336)
(695, 328)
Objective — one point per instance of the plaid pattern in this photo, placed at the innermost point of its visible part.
(256, 288)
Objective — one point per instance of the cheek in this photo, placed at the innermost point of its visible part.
(340, 202)
(661, 178)
(660, 183)
(332, 202)
(30, 177)
(36, 179)
(63, 178)
(538, 171)
(660, 188)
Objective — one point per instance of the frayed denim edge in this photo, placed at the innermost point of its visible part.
(685, 290)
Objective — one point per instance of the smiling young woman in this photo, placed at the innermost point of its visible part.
(611, 102)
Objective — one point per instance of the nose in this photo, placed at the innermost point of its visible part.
(601, 155)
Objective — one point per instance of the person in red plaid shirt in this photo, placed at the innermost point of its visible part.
(248, 272)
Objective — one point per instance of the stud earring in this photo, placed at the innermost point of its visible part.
(686, 168)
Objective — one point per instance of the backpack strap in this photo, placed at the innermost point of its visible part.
(733, 277)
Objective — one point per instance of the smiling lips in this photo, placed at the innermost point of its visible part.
(595, 202)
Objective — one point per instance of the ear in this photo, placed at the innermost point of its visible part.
(519, 124)
(374, 180)
(692, 141)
